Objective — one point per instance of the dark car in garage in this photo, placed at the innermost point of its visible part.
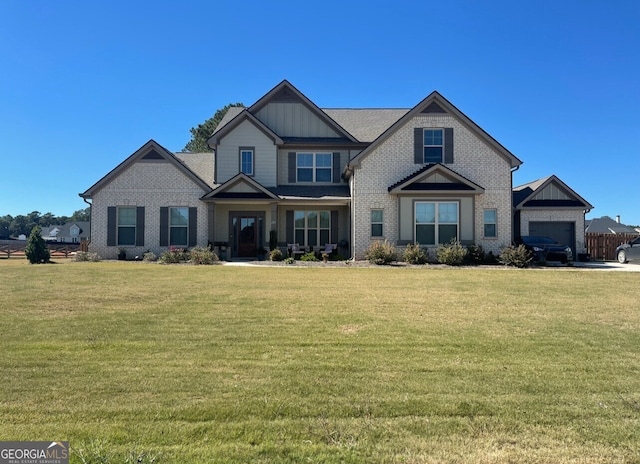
(545, 248)
(629, 251)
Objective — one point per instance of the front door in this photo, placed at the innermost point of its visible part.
(245, 235)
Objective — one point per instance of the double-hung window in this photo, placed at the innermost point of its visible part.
(126, 225)
(314, 167)
(312, 228)
(179, 226)
(246, 161)
(376, 223)
(433, 145)
(490, 223)
(436, 222)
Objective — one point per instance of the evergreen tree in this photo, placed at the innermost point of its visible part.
(36, 250)
(200, 134)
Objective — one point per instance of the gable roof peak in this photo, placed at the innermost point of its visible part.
(436, 103)
(151, 150)
(286, 92)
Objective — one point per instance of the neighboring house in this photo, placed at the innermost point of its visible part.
(71, 232)
(606, 225)
(549, 207)
(283, 168)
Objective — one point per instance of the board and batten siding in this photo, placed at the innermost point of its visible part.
(264, 156)
(294, 120)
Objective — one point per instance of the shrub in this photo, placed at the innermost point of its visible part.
(202, 255)
(84, 256)
(452, 253)
(289, 260)
(414, 254)
(36, 250)
(311, 256)
(276, 255)
(149, 257)
(475, 254)
(381, 252)
(173, 256)
(515, 256)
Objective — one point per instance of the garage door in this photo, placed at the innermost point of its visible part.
(561, 232)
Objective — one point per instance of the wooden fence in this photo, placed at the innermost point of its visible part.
(602, 247)
(15, 248)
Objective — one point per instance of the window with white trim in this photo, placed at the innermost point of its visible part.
(433, 145)
(490, 223)
(312, 228)
(179, 226)
(246, 161)
(314, 167)
(376, 222)
(436, 222)
(126, 225)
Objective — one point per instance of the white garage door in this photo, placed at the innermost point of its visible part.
(561, 232)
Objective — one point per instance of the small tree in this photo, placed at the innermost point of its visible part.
(36, 250)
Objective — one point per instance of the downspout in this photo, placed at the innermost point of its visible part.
(513, 210)
(349, 175)
(90, 218)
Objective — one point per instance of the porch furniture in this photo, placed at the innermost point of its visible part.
(329, 249)
(294, 249)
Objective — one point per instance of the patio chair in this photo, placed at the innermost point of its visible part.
(294, 249)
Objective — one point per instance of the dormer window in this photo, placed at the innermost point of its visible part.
(433, 145)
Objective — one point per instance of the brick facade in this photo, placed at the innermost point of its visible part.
(393, 160)
(152, 185)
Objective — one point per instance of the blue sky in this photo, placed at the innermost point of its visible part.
(84, 84)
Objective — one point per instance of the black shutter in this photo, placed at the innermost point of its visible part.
(448, 145)
(334, 226)
(112, 211)
(289, 226)
(292, 167)
(336, 168)
(164, 226)
(418, 145)
(193, 226)
(140, 226)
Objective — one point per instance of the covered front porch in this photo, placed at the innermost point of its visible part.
(246, 221)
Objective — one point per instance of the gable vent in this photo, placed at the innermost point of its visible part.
(433, 108)
(153, 155)
(285, 95)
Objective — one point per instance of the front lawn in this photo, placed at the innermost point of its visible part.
(137, 362)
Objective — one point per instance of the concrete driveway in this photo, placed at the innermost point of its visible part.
(608, 266)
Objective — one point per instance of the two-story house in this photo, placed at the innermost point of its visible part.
(283, 170)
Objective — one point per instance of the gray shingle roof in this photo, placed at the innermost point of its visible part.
(365, 124)
(311, 191)
(200, 163)
(606, 225)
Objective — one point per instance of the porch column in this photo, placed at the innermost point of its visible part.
(211, 222)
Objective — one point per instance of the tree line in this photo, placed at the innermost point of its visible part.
(13, 226)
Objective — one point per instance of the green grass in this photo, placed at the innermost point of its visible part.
(135, 362)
